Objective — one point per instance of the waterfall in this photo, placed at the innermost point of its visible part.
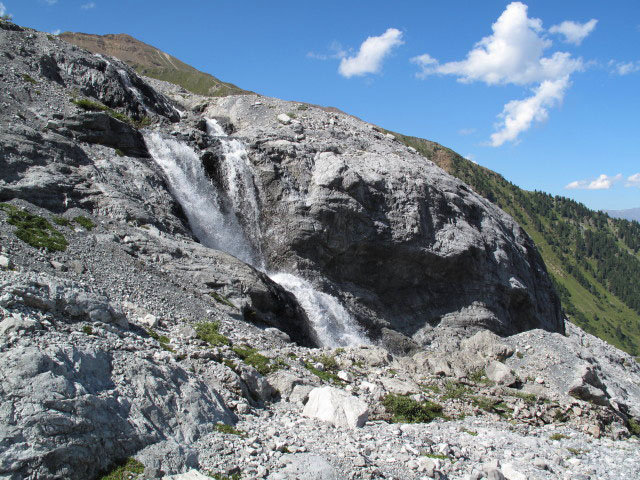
(330, 320)
(200, 201)
(237, 230)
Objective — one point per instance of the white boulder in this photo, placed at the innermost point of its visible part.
(333, 405)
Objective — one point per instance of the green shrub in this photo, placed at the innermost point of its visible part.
(84, 222)
(33, 229)
(634, 427)
(557, 436)
(404, 409)
(229, 430)
(119, 152)
(455, 390)
(125, 470)
(63, 222)
(87, 329)
(210, 333)
(91, 106)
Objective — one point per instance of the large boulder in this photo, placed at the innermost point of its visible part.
(337, 407)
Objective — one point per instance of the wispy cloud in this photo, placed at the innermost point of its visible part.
(633, 181)
(574, 32)
(515, 54)
(336, 53)
(3, 9)
(57, 31)
(603, 182)
(88, 6)
(466, 131)
(624, 68)
(371, 54)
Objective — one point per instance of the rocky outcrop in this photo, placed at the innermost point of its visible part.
(408, 247)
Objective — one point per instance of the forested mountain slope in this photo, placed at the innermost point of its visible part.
(594, 259)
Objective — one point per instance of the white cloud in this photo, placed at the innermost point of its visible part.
(466, 131)
(88, 6)
(603, 182)
(57, 31)
(633, 181)
(3, 9)
(371, 54)
(625, 68)
(574, 32)
(518, 115)
(513, 54)
(471, 157)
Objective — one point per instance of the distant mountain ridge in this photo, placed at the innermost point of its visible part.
(628, 214)
(153, 62)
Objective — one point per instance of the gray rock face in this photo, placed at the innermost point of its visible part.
(406, 246)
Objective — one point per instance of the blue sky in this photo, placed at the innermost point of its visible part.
(544, 92)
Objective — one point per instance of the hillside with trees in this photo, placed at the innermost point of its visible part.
(594, 259)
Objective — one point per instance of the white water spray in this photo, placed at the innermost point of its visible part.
(199, 199)
(223, 230)
(330, 320)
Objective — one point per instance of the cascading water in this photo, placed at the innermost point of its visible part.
(200, 201)
(223, 230)
(331, 321)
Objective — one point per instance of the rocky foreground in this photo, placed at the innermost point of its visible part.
(126, 343)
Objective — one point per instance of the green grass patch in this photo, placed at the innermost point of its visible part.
(262, 364)
(222, 476)
(479, 376)
(125, 470)
(92, 106)
(33, 229)
(84, 222)
(491, 405)
(329, 371)
(404, 409)
(229, 430)
(557, 436)
(29, 79)
(210, 333)
(119, 152)
(431, 388)
(87, 329)
(529, 398)
(222, 299)
(437, 456)
(473, 433)
(163, 340)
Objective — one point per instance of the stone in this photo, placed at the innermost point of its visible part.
(510, 472)
(77, 267)
(345, 376)
(149, 320)
(499, 373)
(278, 333)
(305, 466)
(300, 393)
(284, 382)
(5, 262)
(284, 119)
(190, 475)
(18, 324)
(333, 405)
(399, 387)
(488, 345)
(258, 386)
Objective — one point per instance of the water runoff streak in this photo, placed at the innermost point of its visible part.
(236, 230)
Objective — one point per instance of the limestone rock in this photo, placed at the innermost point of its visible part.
(333, 405)
(501, 374)
(307, 466)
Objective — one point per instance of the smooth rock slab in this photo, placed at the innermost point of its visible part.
(501, 374)
(336, 407)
